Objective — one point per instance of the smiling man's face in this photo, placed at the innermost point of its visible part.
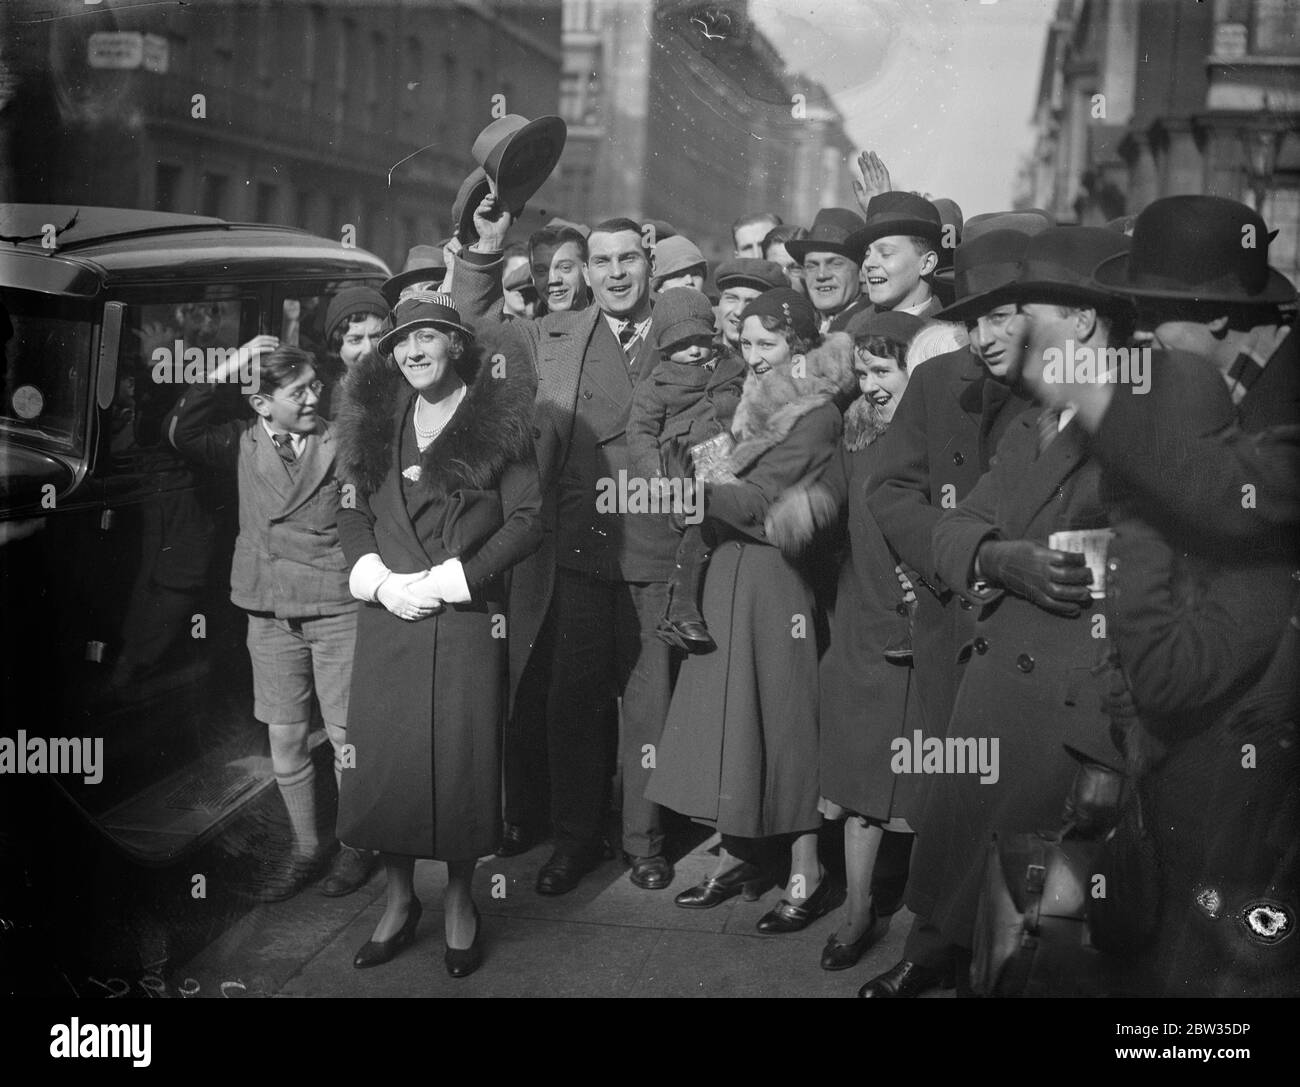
(832, 281)
(618, 272)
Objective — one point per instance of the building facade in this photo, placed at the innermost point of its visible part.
(1140, 99)
(322, 114)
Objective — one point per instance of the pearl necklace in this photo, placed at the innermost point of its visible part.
(425, 436)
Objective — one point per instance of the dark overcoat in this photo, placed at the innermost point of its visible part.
(940, 441)
(1029, 681)
(428, 697)
(866, 701)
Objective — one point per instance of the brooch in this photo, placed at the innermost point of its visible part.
(412, 473)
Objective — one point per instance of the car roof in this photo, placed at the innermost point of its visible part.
(97, 248)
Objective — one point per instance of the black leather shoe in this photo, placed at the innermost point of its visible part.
(650, 873)
(562, 873)
(352, 868)
(838, 956)
(462, 963)
(787, 917)
(906, 980)
(516, 839)
(696, 636)
(747, 879)
(287, 877)
(378, 952)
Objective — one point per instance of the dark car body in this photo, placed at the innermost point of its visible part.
(114, 551)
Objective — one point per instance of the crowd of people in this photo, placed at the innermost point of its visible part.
(838, 543)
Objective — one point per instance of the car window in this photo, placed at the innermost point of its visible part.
(47, 344)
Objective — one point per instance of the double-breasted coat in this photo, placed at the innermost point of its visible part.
(1029, 681)
(428, 697)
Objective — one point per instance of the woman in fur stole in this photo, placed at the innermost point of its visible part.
(739, 748)
(444, 500)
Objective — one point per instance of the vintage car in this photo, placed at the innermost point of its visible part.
(114, 551)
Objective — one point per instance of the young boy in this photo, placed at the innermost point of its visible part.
(901, 240)
(690, 397)
(289, 575)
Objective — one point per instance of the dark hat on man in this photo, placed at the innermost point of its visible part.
(1198, 249)
(833, 231)
(1058, 265)
(681, 312)
(984, 269)
(662, 229)
(424, 309)
(519, 279)
(900, 327)
(424, 264)
(761, 275)
(352, 300)
(950, 215)
(676, 254)
(1031, 221)
(470, 195)
(900, 213)
(788, 306)
(518, 155)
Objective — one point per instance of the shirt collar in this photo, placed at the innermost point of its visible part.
(296, 440)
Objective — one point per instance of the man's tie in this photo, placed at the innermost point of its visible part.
(629, 340)
(1048, 427)
(284, 446)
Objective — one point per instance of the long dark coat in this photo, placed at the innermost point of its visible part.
(1029, 681)
(428, 697)
(739, 748)
(866, 701)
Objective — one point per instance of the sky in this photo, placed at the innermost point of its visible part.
(942, 90)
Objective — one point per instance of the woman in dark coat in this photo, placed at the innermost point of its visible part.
(866, 672)
(739, 748)
(446, 501)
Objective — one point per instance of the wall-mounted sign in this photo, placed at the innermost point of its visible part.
(127, 49)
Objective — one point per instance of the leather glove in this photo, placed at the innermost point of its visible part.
(1092, 805)
(1057, 581)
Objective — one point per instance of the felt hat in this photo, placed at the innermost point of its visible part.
(950, 214)
(1197, 249)
(984, 269)
(518, 155)
(676, 254)
(354, 300)
(832, 231)
(761, 275)
(519, 278)
(424, 264)
(788, 306)
(1058, 265)
(892, 213)
(897, 326)
(422, 310)
(679, 313)
(470, 195)
(662, 229)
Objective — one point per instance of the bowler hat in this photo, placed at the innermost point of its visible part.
(1058, 264)
(681, 312)
(761, 275)
(424, 264)
(788, 306)
(892, 213)
(518, 155)
(984, 268)
(891, 323)
(424, 309)
(470, 195)
(1198, 249)
(354, 300)
(833, 231)
(674, 255)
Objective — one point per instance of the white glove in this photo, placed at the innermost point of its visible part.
(447, 582)
(400, 595)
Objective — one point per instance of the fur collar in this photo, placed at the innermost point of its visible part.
(771, 403)
(491, 428)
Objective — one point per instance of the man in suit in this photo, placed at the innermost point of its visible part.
(831, 259)
(901, 243)
(951, 418)
(599, 584)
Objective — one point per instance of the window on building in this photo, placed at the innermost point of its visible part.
(375, 64)
(213, 192)
(1277, 27)
(166, 187)
(571, 97)
(304, 209)
(312, 40)
(266, 209)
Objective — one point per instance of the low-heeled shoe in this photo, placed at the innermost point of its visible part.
(650, 873)
(838, 956)
(745, 878)
(562, 873)
(785, 916)
(351, 869)
(462, 963)
(378, 952)
(905, 980)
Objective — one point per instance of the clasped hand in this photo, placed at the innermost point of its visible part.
(410, 596)
(1056, 581)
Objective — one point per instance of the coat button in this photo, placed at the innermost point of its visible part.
(901, 609)
(1025, 662)
(958, 458)
(965, 604)
(586, 395)
(981, 645)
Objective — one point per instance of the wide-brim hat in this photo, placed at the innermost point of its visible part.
(1197, 249)
(422, 310)
(833, 231)
(985, 267)
(1058, 266)
(760, 275)
(424, 264)
(518, 155)
(899, 213)
(470, 195)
